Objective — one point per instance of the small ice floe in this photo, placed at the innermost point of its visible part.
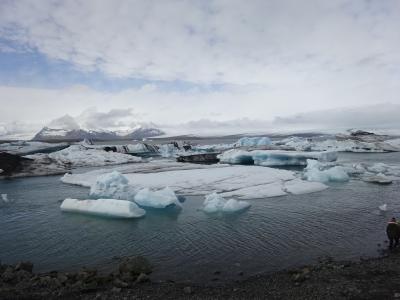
(157, 199)
(378, 179)
(103, 207)
(215, 203)
(383, 207)
(4, 198)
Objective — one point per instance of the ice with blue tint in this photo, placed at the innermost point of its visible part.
(112, 185)
(103, 207)
(156, 199)
(215, 203)
(253, 141)
(316, 171)
(268, 158)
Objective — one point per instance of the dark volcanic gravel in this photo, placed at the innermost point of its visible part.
(368, 279)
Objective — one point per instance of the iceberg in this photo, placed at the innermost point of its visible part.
(316, 171)
(253, 141)
(27, 148)
(378, 179)
(78, 156)
(270, 158)
(342, 144)
(112, 185)
(215, 203)
(236, 157)
(156, 199)
(103, 207)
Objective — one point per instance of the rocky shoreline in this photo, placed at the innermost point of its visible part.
(376, 278)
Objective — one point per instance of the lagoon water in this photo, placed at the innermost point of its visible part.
(188, 245)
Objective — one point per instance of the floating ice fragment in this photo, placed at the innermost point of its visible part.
(316, 171)
(4, 197)
(253, 141)
(215, 203)
(112, 185)
(383, 207)
(103, 207)
(156, 199)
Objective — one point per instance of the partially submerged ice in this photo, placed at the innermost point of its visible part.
(316, 171)
(156, 199)
(270, 158)
(253, 141)
(112, 185)
(216, 203)
(103, 207)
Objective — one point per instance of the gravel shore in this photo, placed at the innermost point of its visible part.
(377, 278)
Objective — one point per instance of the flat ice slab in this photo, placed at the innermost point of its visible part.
(103, 207)
(243, 182)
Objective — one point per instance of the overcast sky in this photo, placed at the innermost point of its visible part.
(172, 62)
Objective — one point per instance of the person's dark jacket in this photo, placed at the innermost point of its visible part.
(393, 230)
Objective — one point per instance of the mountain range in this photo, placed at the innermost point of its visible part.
(67, 128)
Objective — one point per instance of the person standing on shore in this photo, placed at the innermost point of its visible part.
(393, 232)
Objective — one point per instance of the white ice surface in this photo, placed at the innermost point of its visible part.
(216, 203)
(241, 181)
(78, 156)
(112, 185)
(156, 199)
(253, 141)
(298, 187)
(394, 143)
(25, 147)
(103, 207)
(346, 145)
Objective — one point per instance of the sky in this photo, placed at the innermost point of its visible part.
(220, 63)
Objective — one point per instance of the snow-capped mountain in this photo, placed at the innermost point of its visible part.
(67, 128)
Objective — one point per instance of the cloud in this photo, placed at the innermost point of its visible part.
(115, 119)
(262, 42)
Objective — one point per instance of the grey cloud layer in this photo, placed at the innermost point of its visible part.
(275, 58)
(235, 41)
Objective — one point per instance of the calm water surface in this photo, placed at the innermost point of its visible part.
(188, 245)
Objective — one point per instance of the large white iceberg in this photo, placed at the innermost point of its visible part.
(28, 147)
(340, 145)
(316, 171)
(253, 141)
(216, 203)
(156, 199)
(112, 185)
(274, 157)
(244, 182)
(103, 207)
(78, 155)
